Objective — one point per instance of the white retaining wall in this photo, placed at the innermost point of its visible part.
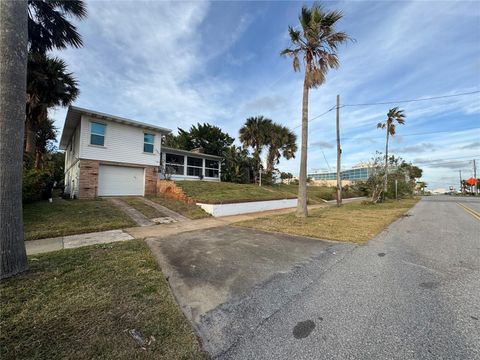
(247, 207)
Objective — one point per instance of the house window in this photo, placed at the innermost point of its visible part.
(97, 133)
(194, 166)
(211, 168)
(148, 142)
(174, 164)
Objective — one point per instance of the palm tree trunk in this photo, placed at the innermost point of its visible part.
(271, 159)
(385, 185)
(38, 159)
(13, 79)
(302, 210)
(30, 141)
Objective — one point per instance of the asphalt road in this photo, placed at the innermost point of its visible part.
(412, 293)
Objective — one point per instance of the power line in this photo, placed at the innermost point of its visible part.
(316, 117)
(411, 134)
(392, 102)
(465, 159)
(414, 100)
(326, 160)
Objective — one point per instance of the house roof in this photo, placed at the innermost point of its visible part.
(74, 115)
(192, 153)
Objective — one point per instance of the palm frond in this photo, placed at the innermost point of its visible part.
(294, 35)
(296, 63)
(331, 17)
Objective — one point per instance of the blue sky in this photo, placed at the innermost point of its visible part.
(178, 63)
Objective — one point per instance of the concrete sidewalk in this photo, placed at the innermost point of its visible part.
(73, 241)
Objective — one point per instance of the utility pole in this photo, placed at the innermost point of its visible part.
(339, 155)
(475, 176)
(396, 189)
(461, 185)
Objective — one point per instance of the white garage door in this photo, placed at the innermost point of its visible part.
(120, 180)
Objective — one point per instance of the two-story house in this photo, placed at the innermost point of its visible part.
(107, 155)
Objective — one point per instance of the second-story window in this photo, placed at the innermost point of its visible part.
(97, 133)
(148, 142)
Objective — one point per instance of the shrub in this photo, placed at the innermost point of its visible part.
(34, 183)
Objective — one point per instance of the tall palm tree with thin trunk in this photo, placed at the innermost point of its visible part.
(255, 133)
(282, 142)
(394, 115)
(13, 76)
(316, 44)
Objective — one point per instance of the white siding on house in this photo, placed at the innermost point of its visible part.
(73, 149)
(72, 166)
(123, 143)
(71, 179)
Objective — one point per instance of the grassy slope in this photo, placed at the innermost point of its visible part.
(78, 303)
(190, 211)
(352, 222)
(43, 219)
(222, 192)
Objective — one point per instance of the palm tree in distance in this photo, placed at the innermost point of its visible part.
(282, 142)
(317, 45)
(393, 115)
(255, 134)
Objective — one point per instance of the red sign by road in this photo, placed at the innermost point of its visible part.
(472, 181)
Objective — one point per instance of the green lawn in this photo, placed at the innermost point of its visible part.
(190, 211)
(80, 303)
(352, 222)
(224, 192)
(143, 207)
(43, 219)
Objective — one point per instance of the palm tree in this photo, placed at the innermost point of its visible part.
(236, 165)
(48, 85)
(45, 133)
(281, 142)
(255, 133)
(393, 115)
(317, 45)
(13, 76)
(49, 27)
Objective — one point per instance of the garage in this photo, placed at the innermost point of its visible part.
(120, 181)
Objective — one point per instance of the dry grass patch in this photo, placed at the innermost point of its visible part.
(79, 303)
(352, 222)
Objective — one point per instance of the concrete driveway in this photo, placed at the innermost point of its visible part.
(225, 279)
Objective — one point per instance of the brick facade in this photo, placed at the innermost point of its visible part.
(88, 179)
(151, 176)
